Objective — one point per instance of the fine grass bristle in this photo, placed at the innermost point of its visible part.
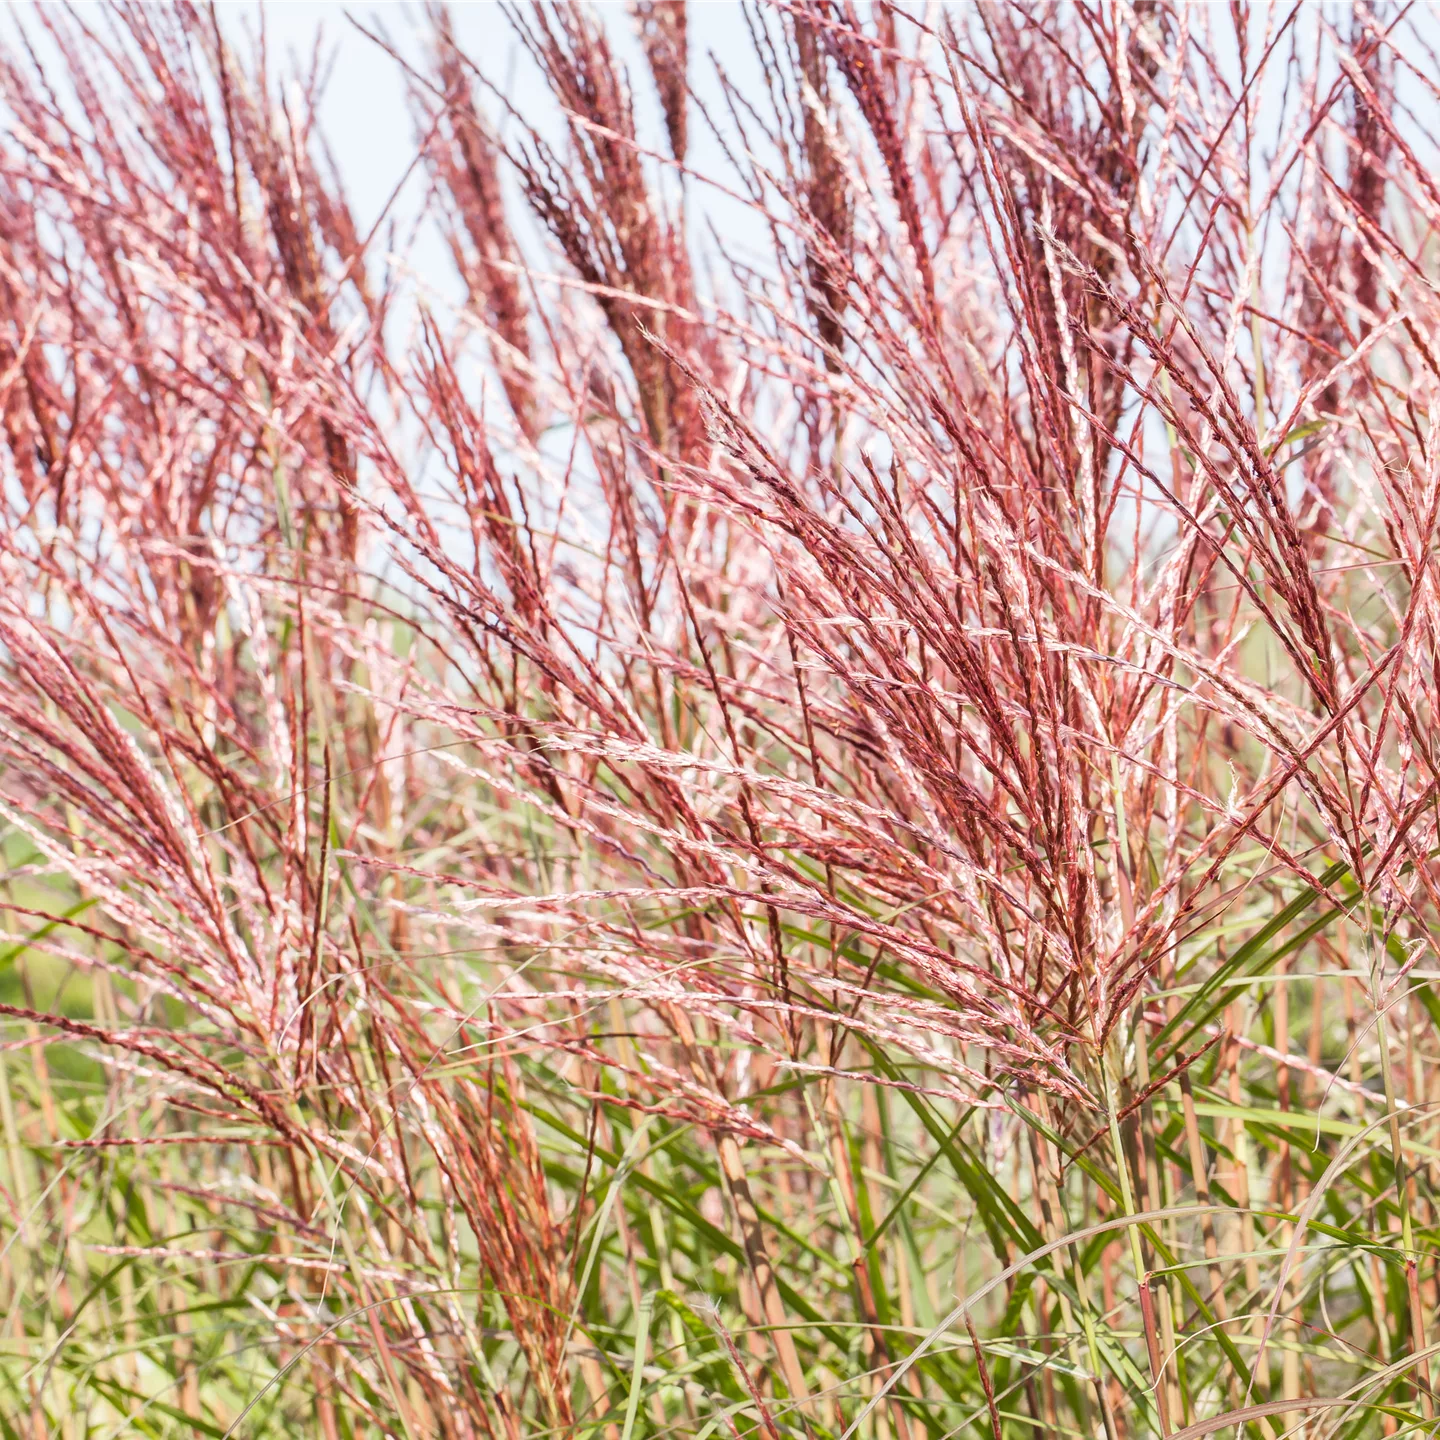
(802, 803)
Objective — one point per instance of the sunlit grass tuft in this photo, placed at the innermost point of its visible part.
(834, 842)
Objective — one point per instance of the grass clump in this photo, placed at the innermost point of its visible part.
(826, 837)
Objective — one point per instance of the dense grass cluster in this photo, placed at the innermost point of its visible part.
(825, 835)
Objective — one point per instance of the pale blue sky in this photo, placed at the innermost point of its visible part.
(364, 113)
